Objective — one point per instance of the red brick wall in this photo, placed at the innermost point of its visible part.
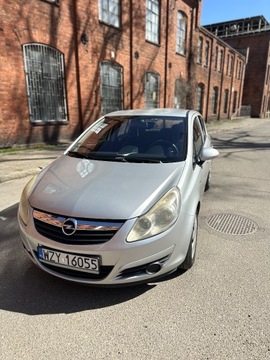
(255, 78)
(36, 21)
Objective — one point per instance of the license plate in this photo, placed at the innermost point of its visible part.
(67, 260)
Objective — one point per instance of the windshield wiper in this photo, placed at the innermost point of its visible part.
(77, 154)
(114, 157)
(133, 157)
(92, 155)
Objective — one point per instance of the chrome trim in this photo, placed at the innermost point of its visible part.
(82, 224)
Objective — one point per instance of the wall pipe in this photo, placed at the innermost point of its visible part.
(131, 52)
(166, 53)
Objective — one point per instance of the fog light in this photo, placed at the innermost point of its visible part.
(153, 268)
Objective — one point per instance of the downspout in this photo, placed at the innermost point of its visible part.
(131, 52)
(209, 80)
(243, 76)
(190, 61)
(166, 53)
(221, 84)
(230, 104)
(77, 62)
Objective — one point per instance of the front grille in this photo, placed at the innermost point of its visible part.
(87, 231)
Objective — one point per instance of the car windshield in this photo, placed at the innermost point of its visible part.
(152, 139)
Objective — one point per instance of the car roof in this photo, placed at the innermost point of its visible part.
(152, 112)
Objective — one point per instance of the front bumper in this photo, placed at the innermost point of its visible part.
(121, 263)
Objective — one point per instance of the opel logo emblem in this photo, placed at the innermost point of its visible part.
(69, 226)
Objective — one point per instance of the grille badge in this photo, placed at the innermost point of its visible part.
(69, 226)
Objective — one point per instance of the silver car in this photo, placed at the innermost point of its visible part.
(121, 205)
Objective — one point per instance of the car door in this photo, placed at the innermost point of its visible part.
(200, 169)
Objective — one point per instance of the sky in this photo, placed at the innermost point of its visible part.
(214, 11)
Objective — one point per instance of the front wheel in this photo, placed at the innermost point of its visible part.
(191, 254)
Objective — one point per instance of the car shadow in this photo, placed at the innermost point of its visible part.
(27, 289)
(241, 141)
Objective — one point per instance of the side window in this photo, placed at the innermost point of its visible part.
(197, 139)
(202, 123)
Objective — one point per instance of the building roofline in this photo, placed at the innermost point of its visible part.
(239, 20)
(219, 39)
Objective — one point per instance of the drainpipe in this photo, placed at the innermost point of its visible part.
(131, 52)
(243, 76)
(221, 83)
(209, 80)
(166, 53)
(230, 100)
(191, 67)
(77, 62)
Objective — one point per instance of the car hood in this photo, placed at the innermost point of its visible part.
(102, 189)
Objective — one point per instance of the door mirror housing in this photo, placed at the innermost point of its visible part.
(208, 153)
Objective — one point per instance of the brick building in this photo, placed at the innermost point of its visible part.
(65, 63)
(252, 34)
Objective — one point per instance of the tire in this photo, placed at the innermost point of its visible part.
(191, 253)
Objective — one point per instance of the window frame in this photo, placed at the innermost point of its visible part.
(231, 65)
(112, 19)
(221, 59)
(206, 53)
(54, 2)
(200, 97)
(181, 33)
(226, 101)
(197, 138)
(216, 58)
(200, 50)
(152, 93)
(45, 84)
(109, 103)
(235, 99)
(150, 26)
(215, 100)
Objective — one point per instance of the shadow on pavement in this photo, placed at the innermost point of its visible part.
(26, 289)
(240, 141)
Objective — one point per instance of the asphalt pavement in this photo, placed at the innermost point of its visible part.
(29, 161)
(218, 310)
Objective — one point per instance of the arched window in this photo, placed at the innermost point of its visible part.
(180, 87)
(151, 90)
(200, 50)
(111, 86)
(181, 33)
(216, 58)
(226, 101)
(45, 82)
(234, 101)
(215, 100)
(200, 97)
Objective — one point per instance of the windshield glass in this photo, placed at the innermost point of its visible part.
(134, 139)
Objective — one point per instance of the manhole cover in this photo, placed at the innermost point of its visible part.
(232, 224)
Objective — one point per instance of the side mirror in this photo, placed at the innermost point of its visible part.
(208, 153)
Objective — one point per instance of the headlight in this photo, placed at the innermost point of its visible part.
(24, 204)
(158, 219)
